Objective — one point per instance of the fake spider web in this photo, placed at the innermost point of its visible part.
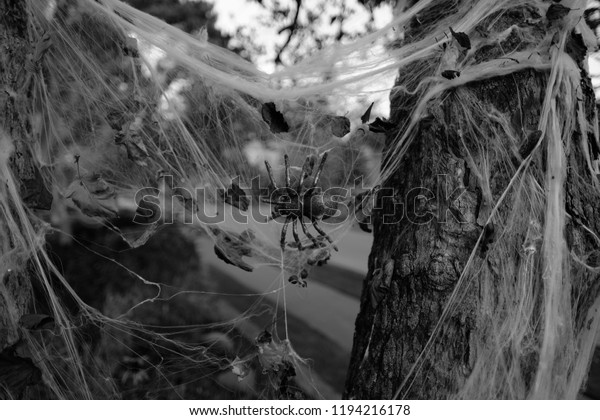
(114, 136)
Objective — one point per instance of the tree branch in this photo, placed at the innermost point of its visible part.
(292, 28)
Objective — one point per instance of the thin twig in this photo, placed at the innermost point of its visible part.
(292, 28)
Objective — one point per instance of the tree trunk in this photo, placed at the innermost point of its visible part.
(418, 256)
(15, 287)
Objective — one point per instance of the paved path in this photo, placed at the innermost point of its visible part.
(319, 315)
(322, 308)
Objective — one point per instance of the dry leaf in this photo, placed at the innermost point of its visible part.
(274, 118)
(557, 11)
(450, 74)
(271, 355)
(264, 337)
(340, 126)
(94, 197)
(296, 281)
(576, 47)
(462, 39)
(381, 125)
(367, 115)
(275, 360)
(230, 247)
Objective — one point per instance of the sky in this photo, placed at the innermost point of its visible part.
(252, 19)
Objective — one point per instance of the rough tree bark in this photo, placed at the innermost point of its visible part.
(13, 40)
(15, 285)
(419, 264)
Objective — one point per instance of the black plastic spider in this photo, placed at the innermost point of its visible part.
(306, 200)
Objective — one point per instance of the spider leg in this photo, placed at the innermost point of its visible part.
(307, 166)
(284, 233)
(270, 173)
(322, 232)
(307, 233)
(321, 164)
(287, 171)
(295, 233)
(268, 199)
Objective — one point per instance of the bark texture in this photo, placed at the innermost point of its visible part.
(416, 261)
(18, 370)
(13, 39)
(15, 47)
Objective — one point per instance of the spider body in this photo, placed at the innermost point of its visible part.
(306, 200)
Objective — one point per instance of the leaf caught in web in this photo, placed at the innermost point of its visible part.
(275, 358)
(93, 196)
(271, 355)
(37, 322)
(236, 196)
(233, 260)
(274, 118)
(340, 126)
(296, 281)
(264, 337)
(462, 39)
(557, 11)
(367, 115)
(240, 368)
(286, 372)
(381, 125)
(576, 47)
(450, 74)
(230, 248)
